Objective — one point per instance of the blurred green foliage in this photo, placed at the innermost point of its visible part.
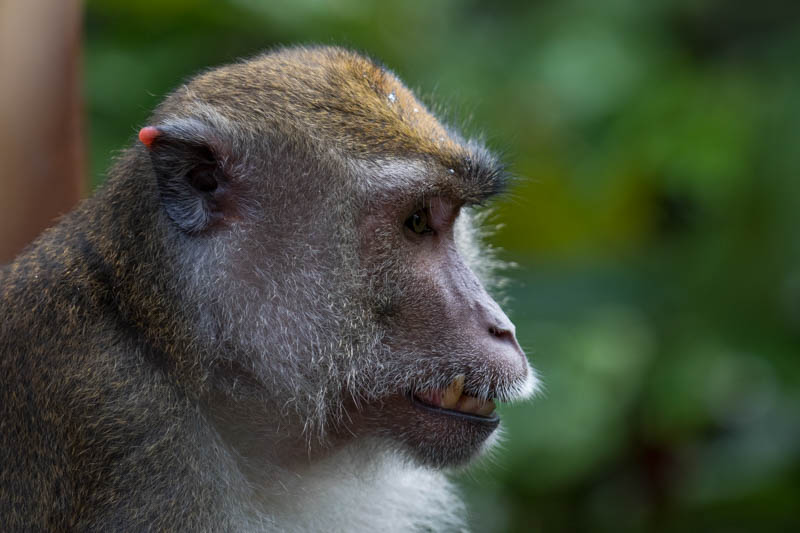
(658, 291)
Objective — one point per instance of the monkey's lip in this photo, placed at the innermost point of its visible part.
(492, 419)
(453, 402)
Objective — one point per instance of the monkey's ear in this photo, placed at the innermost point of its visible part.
(188, 162)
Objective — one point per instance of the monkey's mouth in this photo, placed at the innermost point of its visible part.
(452, 401)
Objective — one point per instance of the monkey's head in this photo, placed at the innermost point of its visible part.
(323, 221)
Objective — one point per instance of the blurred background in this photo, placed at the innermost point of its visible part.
(655, 227)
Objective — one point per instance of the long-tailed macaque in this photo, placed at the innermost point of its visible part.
(272, 317)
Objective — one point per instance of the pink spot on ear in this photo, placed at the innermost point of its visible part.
(148, 134)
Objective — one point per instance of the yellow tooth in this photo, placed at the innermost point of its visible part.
(476, 406)
(486, 408)
(469, 404)
(453, 392)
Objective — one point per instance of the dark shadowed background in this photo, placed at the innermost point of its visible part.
(655, 227)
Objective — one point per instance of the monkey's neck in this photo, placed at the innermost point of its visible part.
(355, 489)
(136, 259)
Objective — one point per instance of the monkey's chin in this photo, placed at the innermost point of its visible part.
(444, 438)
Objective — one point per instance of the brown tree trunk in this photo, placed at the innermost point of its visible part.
(42, 167)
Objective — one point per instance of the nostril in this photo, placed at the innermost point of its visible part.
(504, 341)
(500, 333)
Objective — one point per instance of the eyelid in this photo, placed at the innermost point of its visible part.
(442, 212)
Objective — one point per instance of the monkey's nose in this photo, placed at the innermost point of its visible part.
(498, 324)
(503, 346)
(503, 333)
(501, 329)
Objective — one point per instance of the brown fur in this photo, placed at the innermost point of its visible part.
(345, 99)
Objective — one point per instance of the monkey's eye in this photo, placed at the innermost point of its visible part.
(418, 222)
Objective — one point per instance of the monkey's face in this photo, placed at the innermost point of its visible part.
(334, 269)
(450, 350)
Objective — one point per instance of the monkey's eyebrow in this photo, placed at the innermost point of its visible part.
(480, 174)
(471, 177)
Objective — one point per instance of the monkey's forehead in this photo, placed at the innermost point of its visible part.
(330, 94)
